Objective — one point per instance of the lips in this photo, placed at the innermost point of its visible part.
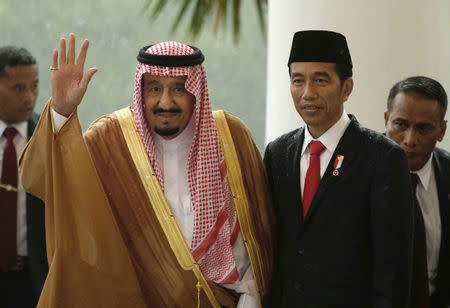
(166, 113)
(310, 107)
(171, 111)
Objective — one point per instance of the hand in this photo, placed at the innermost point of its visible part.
(69, 83)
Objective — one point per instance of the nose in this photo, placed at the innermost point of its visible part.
(166, 99)
(309, 91)
(28, 96)
(410, 137)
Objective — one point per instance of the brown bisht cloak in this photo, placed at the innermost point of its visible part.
(112, 240)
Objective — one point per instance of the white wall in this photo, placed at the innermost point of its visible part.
(388, 40)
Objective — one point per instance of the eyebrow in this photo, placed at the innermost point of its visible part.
(399, 119)
(315, 74)
(151, 81)
(156, 82)
(323, 74)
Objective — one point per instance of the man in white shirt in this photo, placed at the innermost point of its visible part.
(416, 108)
(23, 263)
(341, 193)
(152, 205)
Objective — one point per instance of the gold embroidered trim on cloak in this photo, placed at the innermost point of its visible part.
(235, 179)
(159, 202)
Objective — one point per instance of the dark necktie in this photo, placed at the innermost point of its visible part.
(8, 197)
(312, 178)
(419, 292)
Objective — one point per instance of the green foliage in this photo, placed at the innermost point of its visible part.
(201, 11)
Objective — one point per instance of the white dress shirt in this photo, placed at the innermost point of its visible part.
(427, 196)
(329, 139)
(20, 141)
(172, 158)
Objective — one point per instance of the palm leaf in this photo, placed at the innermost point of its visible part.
(236, 19)
(261, 15)
(202, 10)
(221, 6)
(180, 15)
(157, 8)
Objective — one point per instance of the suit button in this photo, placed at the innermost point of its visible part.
(300, 251)
(297, 286)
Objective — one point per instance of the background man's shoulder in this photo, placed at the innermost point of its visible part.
(35, 117)
(443, 154)
(443, 157)
(376, 141)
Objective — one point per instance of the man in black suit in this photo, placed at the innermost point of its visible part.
(414, 119)
(341, 193)
(23, 261)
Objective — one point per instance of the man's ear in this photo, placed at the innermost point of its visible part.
(443, 129)
(347, 88)
(386, 118)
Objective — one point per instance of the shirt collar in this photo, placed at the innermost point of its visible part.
(22, 128)
(425, 172)
(331, 137)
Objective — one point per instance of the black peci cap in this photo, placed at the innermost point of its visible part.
(320, 46)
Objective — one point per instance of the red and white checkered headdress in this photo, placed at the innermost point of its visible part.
(215, 222)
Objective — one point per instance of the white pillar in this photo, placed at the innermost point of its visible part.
(388, 41)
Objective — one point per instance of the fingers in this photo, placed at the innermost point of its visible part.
(70, 58)
(55, 58)
(83, 51)
(88, 76)
(71, 52)
(62, 51)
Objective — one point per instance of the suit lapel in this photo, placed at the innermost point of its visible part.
(443, 184)
(348, 147)
(442, 181)
(294, 152)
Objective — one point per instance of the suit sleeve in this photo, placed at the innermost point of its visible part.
(392, 223)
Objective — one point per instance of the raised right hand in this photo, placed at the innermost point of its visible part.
(69, 82)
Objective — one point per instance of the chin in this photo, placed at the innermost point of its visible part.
(167, 131)
(416, 165)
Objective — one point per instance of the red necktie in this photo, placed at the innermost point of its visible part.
(8, 197)
(419, 292)
(312, 179)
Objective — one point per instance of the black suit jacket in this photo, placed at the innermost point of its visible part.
(441, 163)
(35, 212)
(354, 248)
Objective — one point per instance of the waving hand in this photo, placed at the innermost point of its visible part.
(69, 81)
